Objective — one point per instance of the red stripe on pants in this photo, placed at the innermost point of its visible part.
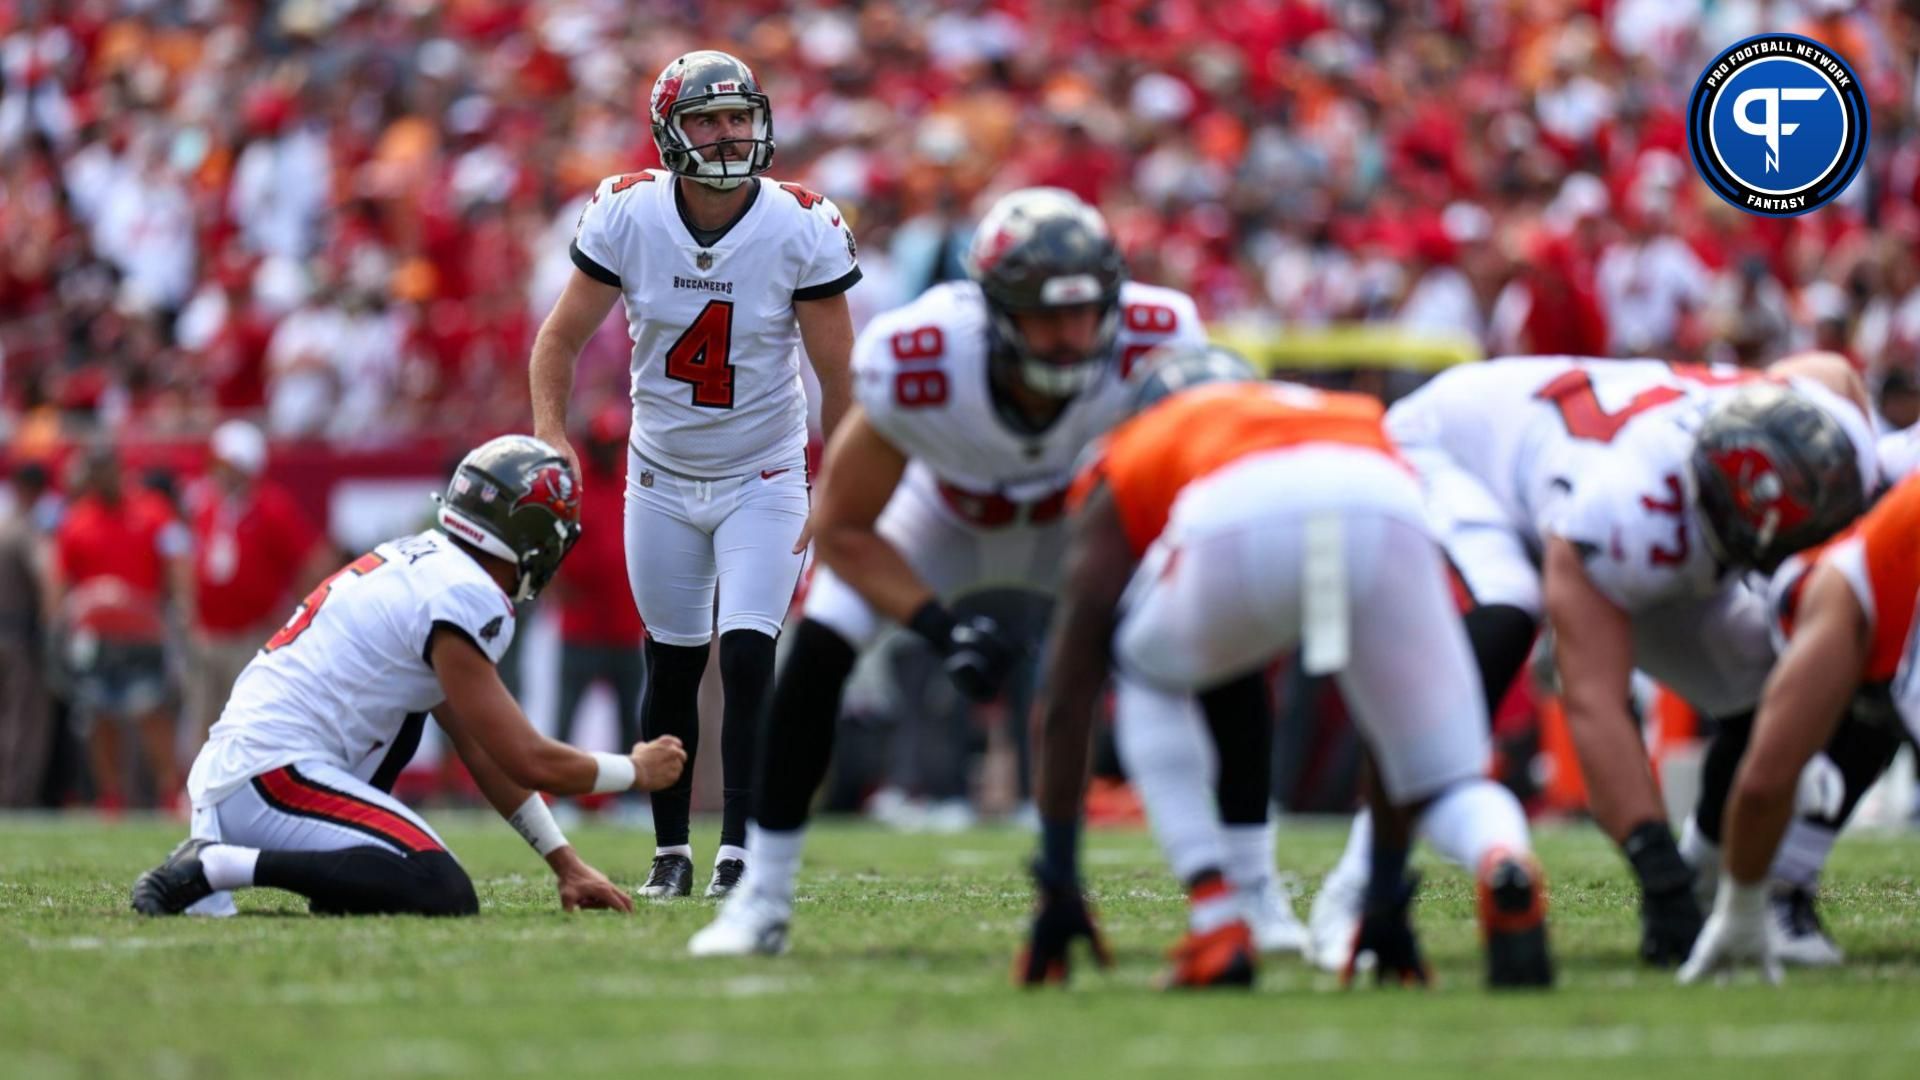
(308, 797)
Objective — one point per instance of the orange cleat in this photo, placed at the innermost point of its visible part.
(1221, 957)
(1513, 921)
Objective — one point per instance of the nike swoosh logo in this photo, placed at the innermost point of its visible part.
(766, 475)
(836, 222)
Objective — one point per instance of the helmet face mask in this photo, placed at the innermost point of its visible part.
(710, 81)
(1042, 249)
(1773, 474)
(514, 499)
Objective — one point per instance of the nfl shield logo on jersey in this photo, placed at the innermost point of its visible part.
(646, 478)
(704, 260)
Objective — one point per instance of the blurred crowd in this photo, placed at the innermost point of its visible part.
(345, 218)
(340, 221)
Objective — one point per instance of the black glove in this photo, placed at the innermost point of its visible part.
(1060, 916)
(979, 655)
(1669, 914)
(1386, 933)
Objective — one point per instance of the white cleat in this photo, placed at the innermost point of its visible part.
(747, 925)
(1276, 929)
(1335, 919)
(1795, 932)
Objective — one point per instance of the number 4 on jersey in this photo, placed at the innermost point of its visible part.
(699, 357)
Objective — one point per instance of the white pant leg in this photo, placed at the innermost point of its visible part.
(670, 563)
(1411, 682)
(753, 550)
(319, 807)
(1169, 756)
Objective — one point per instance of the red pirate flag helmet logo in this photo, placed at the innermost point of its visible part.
(1759, 495)
(552, 487)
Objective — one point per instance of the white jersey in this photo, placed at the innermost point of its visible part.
(920, 374)
(346, 680)
(1632, 513)
(1595, 450)
(715, 371)
(1899, 454)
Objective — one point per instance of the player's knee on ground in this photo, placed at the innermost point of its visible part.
(444, 887)
(371, 880)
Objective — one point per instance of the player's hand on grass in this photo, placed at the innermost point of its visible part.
(1669, 923)
(1061, 917)
(1735, 934)
(584, 888)
(657, 764)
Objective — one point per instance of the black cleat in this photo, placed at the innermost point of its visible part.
(727, 874)
(671, 877)
(1798, 936)
(1386, 943)
(174, 885)
(1513, 920)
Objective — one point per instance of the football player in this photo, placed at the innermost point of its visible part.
(949, 474)
(1848, 614)
(1225, 524)
(723, 271)
(292, 788)
(1592, 502)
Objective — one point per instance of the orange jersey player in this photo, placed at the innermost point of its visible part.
(1848, 614)
(1223, 526)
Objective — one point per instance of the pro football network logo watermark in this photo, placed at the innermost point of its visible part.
(1778, 125)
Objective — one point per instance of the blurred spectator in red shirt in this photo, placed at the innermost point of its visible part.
(254, 550)
(119, 557)
(600, 630)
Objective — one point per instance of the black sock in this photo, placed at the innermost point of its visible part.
(1502, 637)
(672, 707)
(746, 672)
(371, 881)
(796, 743)
(1387, 876)
(1730, 737)
(1862, 751)
(1241, 719)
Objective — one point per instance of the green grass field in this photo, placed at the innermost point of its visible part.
(902, 948)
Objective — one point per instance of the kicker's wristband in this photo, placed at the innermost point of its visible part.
(535, 822)
(935, 623)
(616, 773)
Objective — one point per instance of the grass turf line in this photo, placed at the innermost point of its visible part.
(902, 949)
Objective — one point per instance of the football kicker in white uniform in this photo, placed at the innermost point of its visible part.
(1601, 456)
(724, 272)
(974, 402)
(292, 789)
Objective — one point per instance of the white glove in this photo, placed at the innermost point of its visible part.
(1821, 790)
(1736, 933)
